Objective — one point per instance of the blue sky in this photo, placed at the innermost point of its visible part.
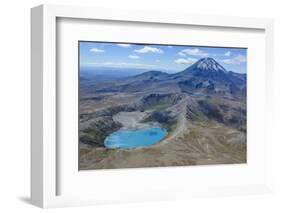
(168, 58)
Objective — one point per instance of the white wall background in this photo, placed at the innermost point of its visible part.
(15, 99)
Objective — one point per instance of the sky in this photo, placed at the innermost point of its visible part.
(169, 58)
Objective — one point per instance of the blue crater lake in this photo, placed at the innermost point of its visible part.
(131, 139)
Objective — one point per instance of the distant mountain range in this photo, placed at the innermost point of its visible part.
(107, 72)
(206, 76)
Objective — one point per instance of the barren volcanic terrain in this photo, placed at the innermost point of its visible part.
(202, 108)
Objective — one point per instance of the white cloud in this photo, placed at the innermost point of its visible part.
(157, 60)
(133, 56)
(187, 61)
(147, 49)
(119, 64)
(170, 46)
(235, 60)
(193, 52)
(228, 53)
(96, 50)
(124, 45)
(181, 54)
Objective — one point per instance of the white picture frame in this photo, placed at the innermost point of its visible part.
(44, 155)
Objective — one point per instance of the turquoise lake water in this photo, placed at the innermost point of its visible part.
(131, 139)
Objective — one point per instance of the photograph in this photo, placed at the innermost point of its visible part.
(161, 105)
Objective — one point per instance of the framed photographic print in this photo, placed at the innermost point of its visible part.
(148, 105)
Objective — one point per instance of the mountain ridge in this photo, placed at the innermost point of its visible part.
(206, 64)
(206, 76)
